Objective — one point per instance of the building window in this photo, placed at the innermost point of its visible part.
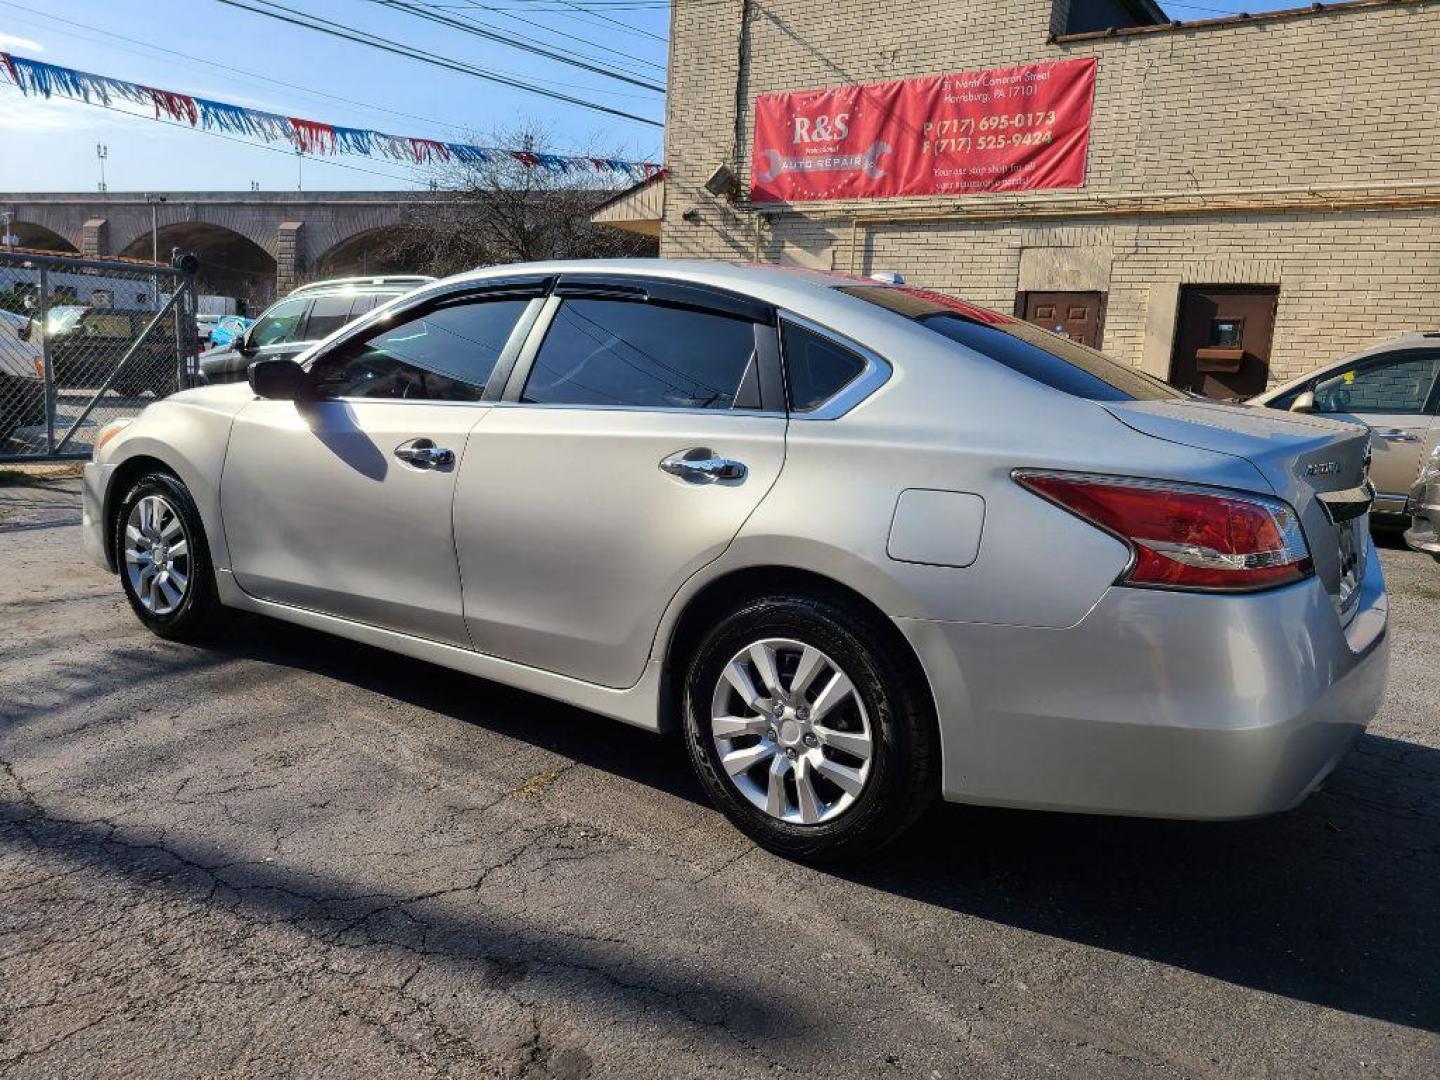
(1088, 16)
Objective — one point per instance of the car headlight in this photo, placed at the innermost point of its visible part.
(108, 432)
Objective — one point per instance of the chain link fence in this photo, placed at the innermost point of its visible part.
(83, 341)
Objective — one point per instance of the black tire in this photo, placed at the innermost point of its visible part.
(198, 613)
(904, 752)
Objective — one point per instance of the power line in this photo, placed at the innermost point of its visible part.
(110, 37)
(547, 29)
(529, 45)
(613, 22)
(411, 53)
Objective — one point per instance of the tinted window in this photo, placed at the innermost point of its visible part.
(1058, 362)
(1395, 386)
(609, 352)
(367, 302)
(816, 366)
(278, 325)
(444, 355)
(328, 314)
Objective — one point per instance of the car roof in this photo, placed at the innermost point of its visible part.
(404, 282)
(809, 292)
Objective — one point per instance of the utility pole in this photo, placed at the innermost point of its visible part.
(6, 216)
(101, 153)
(299, 169)
(155, 201)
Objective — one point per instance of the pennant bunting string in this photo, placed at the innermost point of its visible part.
(307, 136)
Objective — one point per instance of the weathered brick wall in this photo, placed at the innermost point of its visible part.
(1347, 97)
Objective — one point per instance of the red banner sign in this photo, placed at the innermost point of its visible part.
(1007, 129)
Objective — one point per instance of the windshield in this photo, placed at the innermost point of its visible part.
(62, 320)
(1056, 361)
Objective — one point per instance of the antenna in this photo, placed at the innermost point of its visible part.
(101, 153)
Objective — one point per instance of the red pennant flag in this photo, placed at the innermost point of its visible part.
(313, 137)
(427, 150)
(176, 106)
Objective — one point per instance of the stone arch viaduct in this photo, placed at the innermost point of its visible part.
(276, 237)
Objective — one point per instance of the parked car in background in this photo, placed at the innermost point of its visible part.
(22, 377)
(88, 343)
(227, 329)
(1424, 532)
(863, 544)
(1393, 389)
(290, 326)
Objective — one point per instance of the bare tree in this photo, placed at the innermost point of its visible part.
(504, 211)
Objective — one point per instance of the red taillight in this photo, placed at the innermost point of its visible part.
(1186, 537)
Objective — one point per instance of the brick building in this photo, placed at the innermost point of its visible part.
(1277, 172)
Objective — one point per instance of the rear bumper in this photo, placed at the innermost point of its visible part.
(1158, 704)
(92, 512)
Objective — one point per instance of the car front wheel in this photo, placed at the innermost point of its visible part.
(164, 560)
(809, 728)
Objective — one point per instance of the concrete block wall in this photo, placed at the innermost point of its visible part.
(1342, 97)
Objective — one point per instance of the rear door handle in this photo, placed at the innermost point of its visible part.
(1397, 435)
(424, 454)
(702, 466)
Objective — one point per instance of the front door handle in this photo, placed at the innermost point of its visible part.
(424, 454)
(1397, 435)
(702, 466)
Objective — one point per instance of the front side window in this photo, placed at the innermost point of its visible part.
(1394, 386)
(641, 355)
(279, 324)
(445, 354)
(1055, 361)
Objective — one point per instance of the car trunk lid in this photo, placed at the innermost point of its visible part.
(1319, 466)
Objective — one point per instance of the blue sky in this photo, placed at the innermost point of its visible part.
(228, 55)
(50, 146)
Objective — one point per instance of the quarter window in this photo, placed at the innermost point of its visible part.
(640, 355)
(818, 368)
(1396, 386)
(279, 324)
(446, 354)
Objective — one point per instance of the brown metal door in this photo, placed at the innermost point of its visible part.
(1077, 315)
(1222, 339)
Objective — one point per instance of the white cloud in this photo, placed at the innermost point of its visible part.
(21, 44)
(36, 114)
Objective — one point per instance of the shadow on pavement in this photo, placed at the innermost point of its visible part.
(1336, 903)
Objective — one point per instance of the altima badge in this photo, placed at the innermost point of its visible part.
(1322, 468)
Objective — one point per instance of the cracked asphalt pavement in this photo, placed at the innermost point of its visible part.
(289, 855)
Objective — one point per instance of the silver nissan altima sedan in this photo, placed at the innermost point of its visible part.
(863, 545)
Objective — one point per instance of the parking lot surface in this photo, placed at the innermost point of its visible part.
(286, 854)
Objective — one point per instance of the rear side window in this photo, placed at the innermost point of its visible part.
(1055, 361)
(446, 354)
(328, 314)
(641, 355)
(817, 367)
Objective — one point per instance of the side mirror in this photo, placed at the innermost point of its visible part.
(241, 342)
(279, 380)
(1304, 403)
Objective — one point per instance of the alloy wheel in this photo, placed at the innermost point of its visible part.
(157, 555)
(791, 731)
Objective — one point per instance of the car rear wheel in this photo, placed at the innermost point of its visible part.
(809, 729)
(164, 560)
